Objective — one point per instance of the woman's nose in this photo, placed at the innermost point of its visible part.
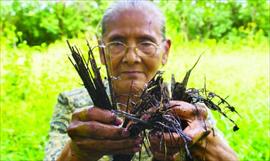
(131, 56)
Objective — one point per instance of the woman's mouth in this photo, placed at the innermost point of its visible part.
(132, 74)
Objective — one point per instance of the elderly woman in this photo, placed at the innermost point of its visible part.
(133, 33)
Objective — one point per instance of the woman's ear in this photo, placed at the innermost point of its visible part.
(167, 46)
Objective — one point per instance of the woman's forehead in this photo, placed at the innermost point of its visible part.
(133, 22)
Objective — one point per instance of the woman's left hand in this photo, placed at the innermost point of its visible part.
(198, 130)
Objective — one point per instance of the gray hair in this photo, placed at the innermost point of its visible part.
(131, 4)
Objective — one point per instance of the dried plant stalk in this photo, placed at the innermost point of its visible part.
(152, 113)
(91, 77)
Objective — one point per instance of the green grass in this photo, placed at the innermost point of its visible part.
(31, 78)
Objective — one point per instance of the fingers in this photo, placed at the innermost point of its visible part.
(96, 130)
(161, 156)
(167, 150)
(96, 114)
(197, 130)
(123, 146)
(166, 146)
(170, 143)
(171, 140)
(196, 115)
(188, 111)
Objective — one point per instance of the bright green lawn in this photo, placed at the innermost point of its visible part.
(31, 78)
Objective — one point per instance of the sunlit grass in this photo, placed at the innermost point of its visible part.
(32, 78)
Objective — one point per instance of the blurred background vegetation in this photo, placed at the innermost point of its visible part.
(35, 68)
(35, 22)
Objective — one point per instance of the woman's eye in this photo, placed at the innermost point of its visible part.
(146, 44)
(117, 44)
(116, 48)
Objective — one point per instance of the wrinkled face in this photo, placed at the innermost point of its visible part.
(133, 67)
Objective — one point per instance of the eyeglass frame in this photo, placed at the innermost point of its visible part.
(157, 46)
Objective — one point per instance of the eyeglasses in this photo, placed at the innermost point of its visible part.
(147, 48)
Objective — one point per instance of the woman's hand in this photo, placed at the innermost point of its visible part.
(203, 145)
(94, 132)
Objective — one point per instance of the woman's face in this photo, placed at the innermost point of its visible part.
(133, 68)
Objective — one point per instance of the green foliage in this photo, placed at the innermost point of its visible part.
(32, 77)
(236, 36)
(38, 22)
(29, 86)
(216, 19)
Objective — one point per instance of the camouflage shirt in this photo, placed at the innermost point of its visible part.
(67, 103)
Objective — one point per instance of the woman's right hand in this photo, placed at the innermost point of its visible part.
(95, 132)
